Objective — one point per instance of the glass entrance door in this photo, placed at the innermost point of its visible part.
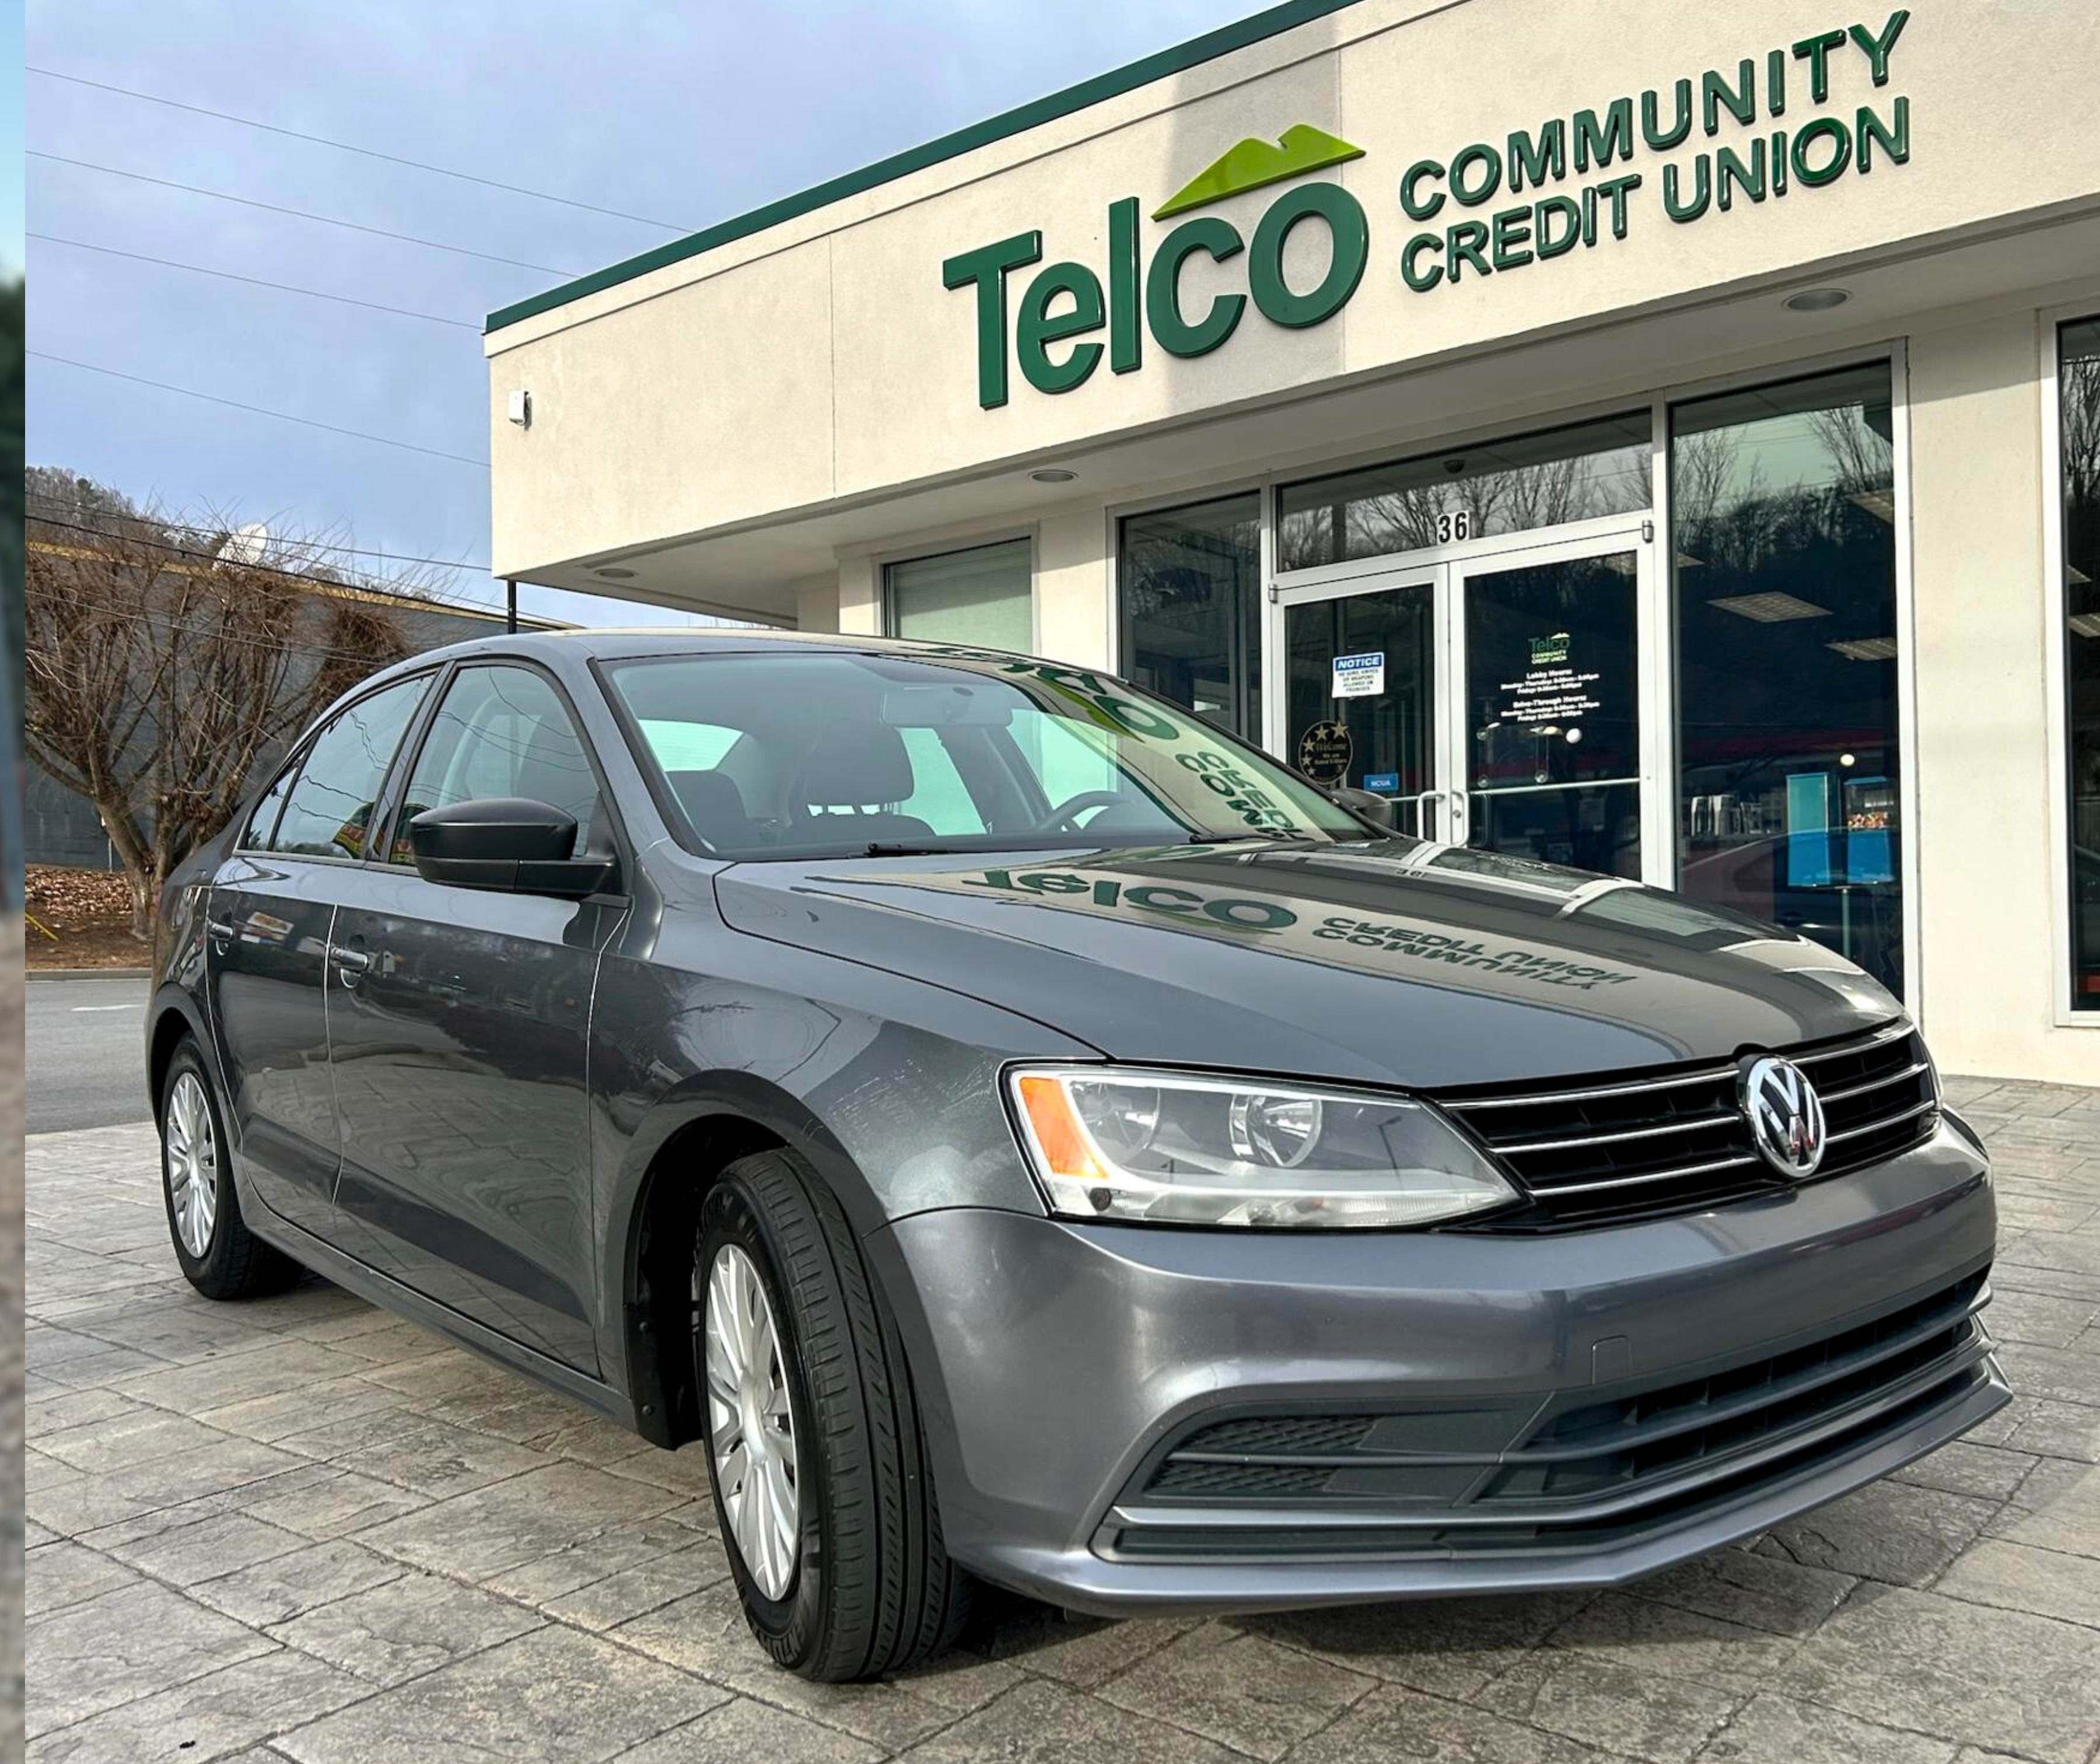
(1360, 704)
(1549, 734)
(1500, 696)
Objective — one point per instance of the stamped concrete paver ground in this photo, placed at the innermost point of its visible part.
(301, 1529)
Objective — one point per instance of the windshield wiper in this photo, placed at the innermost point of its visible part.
(884, 848)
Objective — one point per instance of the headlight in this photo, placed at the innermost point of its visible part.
(1111, 1143)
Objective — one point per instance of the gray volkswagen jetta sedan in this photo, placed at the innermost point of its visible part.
(1018, 1133)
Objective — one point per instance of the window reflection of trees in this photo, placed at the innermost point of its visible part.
(2078, 380)
(330, 804)
(1190, 607)
(1414, 505)
(1747, 496)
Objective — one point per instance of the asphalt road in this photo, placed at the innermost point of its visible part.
(84, 1044)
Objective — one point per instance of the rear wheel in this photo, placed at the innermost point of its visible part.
(814, 1446)
(219, 1255)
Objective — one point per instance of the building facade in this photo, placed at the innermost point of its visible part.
(1664, 439)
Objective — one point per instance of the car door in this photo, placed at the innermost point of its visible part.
(459, 1034)
(273, 906)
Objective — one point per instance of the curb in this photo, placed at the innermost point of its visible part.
(89, 974)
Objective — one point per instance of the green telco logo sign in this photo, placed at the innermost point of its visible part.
(1465, 230)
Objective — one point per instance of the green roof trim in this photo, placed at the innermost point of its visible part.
(1161, 64)
(1251, 164)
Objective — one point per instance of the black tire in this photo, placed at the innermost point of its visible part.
(236, 1263)
(873, 1590)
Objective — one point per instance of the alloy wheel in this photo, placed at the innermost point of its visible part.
(751, 1423)
(192, 1164)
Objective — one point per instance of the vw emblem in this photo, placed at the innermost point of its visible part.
(1784, 1113)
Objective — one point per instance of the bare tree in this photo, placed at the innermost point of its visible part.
(2080, 378)
(162, 666)
(1862, 459)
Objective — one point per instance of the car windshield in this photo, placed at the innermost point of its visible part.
(831, 753)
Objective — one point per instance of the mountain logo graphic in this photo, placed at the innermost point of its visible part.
(1248, 164)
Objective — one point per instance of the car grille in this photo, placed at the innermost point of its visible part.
(1586, 1469)
(1605, 1151)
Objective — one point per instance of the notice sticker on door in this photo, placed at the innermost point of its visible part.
(1360, 676)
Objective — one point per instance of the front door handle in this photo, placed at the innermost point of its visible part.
(219, 930)
(351, 964)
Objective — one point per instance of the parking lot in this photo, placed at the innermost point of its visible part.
(301, 1529)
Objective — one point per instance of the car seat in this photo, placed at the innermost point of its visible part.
(851, 781)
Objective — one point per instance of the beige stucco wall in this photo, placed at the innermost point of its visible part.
(1074, 588)
(860, 596)
(823, 359)
(817, 605)
(1988, 774)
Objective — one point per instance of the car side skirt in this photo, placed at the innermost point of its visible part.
(368, 1283)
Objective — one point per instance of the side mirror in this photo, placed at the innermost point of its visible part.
(509, 843)
(1365, 804)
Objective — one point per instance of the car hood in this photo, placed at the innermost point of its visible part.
(1394, 962)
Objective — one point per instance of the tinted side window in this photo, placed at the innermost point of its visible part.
(330, 809)
(500, 732)
(264, 821)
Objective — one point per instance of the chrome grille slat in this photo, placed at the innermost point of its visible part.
(1748, 1159)
(1637, 1147)
(1857, 1044)
(1711, 1075)
(1691, 1124)
(1886, 1121)
(1911, 1071)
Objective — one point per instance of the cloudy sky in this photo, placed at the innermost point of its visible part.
(684, 114)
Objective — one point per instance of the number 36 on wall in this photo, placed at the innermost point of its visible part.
(1454, 525)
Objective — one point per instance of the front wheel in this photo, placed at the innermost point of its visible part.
(814, 1448)
(220, 1256)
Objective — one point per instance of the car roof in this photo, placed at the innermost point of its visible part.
(650, 641)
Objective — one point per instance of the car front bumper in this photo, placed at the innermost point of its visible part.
(1124, 1418)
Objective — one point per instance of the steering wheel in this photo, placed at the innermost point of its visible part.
(1062, 816)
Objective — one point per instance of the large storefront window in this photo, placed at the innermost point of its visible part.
(2079, 380)
(981, 597)
(1190, 596)
(1514, 485)
(1788, 751)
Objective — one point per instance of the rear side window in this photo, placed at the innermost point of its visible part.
(328, 813)
(500, 732)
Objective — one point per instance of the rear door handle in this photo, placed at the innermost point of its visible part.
(221, 930)
(351, 964)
